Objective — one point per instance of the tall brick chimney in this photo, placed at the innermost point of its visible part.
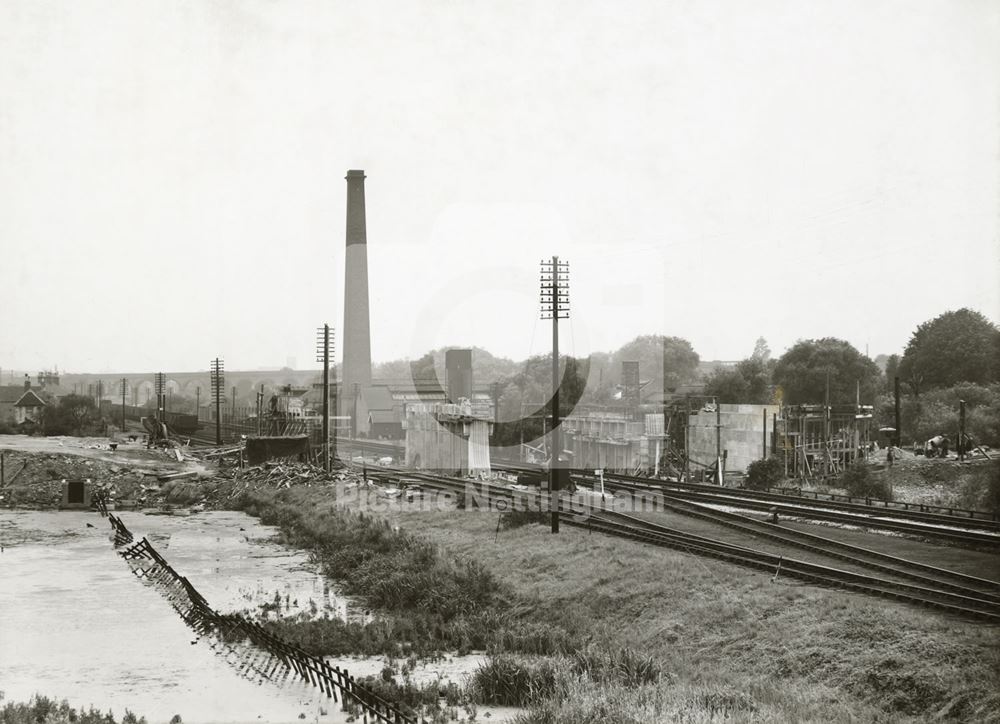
(357, 367)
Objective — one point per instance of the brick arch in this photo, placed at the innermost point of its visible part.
(144, 390)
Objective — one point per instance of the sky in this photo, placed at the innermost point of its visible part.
(172, 174)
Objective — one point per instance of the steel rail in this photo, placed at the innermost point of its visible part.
(874, 509)
(605, 521)
(875, 560)
(725, 496)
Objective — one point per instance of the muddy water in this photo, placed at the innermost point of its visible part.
(75, 623)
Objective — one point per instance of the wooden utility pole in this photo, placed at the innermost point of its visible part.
(160, 384)
(124, 387)
(764, 441)
(323, 355)
(961, 430)
(687, 438)
(218, 377)
(898, 436)
(826, 427)
(554, 278)
(718, 442)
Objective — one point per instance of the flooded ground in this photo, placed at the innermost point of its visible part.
(77, 624)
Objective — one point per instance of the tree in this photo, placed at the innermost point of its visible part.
(529, 391)
(959, 346)
(748, 382)
(802, 372)
(71, 415)
(761, 351)
(654, 353)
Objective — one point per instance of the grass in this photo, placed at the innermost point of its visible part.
(41, 709)
(636, 633)
(433, 602)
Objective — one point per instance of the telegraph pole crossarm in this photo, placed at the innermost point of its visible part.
(554, 305)
(323, 343)
(218, 380)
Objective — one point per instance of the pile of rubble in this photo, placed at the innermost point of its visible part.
(282, 475)
(35, 480)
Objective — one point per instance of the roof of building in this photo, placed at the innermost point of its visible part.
(379, 398)
(29, 399)
(384, 417)
(11, 393)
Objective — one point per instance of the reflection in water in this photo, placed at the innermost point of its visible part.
(76, 625)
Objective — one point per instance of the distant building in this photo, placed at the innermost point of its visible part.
(450, 438)
(20, 404)
(613, 441)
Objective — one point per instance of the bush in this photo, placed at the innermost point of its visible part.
(861, 482)
(516, 518)
(981, 487)
(50, 711)
(623, 666)
(936, 413)
(506, 681)
(762, 474)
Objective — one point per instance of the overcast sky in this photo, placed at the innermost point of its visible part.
(172, 174)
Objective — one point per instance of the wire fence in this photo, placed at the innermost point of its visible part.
(254, 652)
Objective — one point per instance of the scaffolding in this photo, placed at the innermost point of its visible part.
(821, 441)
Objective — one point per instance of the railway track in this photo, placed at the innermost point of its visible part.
(875, 508)
(947, 531)
(944, 590)
(883, 563)
(974, 519)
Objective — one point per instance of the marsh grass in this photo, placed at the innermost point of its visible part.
(430, 602)
(52, 711)
(638, 634)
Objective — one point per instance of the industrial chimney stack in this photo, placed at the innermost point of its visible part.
(357, 369)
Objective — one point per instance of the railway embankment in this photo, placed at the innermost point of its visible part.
(587, 627)
(699, 638)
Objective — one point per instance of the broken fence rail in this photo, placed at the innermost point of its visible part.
(269, 658)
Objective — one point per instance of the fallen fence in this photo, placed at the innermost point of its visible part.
(267, 658)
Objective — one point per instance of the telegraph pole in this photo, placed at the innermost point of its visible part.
(826, 427)
(323, 355)
(159, 383)
(554, 302)
(718, 441)
(218, 377)
(124, 387)
(197, 402)
(898, 436)
(961, 430)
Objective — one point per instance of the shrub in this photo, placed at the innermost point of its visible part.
(980, 488)
(50, 711)
(517, 518)
(861, 482)
(762, 474)
(506, 681)
(623, 666)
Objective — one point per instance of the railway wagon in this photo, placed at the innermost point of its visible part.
(178, 422)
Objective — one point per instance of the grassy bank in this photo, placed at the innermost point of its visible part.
(720, 643)
(432, 602)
